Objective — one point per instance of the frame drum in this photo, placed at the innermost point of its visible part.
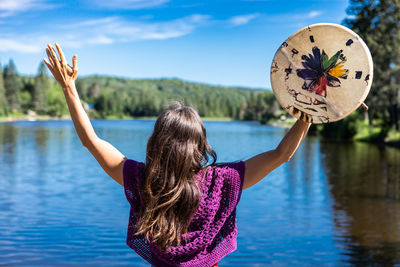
(322, 73)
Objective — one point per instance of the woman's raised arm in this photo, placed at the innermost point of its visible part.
(259, 166)
(110, 159)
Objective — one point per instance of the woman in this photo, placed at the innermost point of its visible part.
(183, 211)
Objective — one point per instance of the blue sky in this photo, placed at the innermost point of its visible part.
(219, 42)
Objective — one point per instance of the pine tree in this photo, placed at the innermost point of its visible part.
(13, 85)
(41, 87)
(378, 23)
(3, 100)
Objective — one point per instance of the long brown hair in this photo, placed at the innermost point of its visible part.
(176, 151)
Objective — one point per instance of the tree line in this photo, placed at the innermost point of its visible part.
(112, 97)
(19, 93)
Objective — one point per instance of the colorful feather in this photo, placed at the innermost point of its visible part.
(321, 71)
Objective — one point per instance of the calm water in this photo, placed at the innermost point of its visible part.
(332, 204)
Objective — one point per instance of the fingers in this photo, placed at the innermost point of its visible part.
(69, 70)
(54, 60)
(53, 64)
(53, 55)
(60, 66)
(48, 66)
(74, 66)
(60, 52)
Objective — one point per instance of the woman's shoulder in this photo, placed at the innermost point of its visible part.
(132, 171)
(227, 166)
(226, 181)
(130, 164)
(231, 171)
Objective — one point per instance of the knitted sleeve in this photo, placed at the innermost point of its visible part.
(132, 171)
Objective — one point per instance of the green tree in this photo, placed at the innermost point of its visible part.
(40, 90)
(344, 129)
(56, 105)
(81, 88)
(93, 91)
(13, 86)
(378, 23)
(3, 100)
(262, 106)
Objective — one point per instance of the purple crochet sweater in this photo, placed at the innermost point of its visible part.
(212, 230)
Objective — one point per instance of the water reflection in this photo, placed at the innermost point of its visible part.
(365, 185)
(8, 142)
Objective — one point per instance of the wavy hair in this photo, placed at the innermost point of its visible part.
(176, 151)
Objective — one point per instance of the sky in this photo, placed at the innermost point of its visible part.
(219, 42)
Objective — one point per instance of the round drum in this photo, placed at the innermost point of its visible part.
(322, 73)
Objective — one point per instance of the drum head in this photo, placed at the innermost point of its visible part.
(322, 73)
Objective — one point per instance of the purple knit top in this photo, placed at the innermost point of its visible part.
(212, 231)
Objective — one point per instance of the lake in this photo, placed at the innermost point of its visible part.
(333, 204)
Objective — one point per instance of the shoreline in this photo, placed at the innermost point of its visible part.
(27, 118)
(32, 118)
(280, 124)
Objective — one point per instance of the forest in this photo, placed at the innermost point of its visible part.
(116, 98)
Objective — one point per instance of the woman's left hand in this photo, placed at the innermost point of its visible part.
(62, 72)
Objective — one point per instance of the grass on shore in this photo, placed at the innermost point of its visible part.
(367, 133)
(373, 133)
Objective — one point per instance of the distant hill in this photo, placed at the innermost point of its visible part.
(113, 96)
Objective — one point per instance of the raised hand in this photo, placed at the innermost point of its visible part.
(109, 158)
(62, 72)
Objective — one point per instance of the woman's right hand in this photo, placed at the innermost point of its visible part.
(62, 72)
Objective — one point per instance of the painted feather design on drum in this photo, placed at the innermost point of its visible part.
(321, 71)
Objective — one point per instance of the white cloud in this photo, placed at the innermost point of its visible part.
(129, 4)
(242, 19)
(10, 7)
(101, 39)
(103, 31)
(287, 19)
(117, 29)
(18, 46)
(15, 5)
(91, 22)
(314, 14)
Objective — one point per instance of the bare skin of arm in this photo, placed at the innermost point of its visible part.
(259, 166)
(109, 158)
